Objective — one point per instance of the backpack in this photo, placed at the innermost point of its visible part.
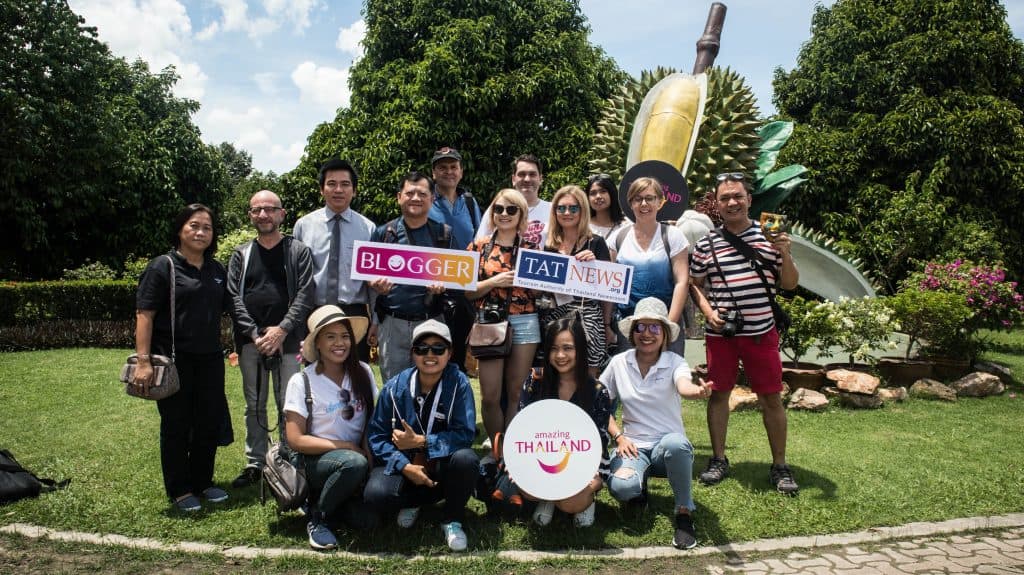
(16, 482)
(395, 234)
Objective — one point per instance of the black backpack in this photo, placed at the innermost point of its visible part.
(16, 482)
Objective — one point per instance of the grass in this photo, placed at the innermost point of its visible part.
(64, 416)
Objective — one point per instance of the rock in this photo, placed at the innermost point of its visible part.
(742, 399)
(930, 389)
(893, 394)
(808, 400)
(854, 381)
(830, 391)
(978, 384)
(859, 400)
(1001, 371)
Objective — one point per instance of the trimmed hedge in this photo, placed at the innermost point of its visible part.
(26, 303)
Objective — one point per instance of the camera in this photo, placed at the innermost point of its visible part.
(270, 362)
(544, 301)
(490, 313)
(733, 322)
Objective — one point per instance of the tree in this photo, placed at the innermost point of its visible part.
(492, 78)
(909, 115)
(96, 154)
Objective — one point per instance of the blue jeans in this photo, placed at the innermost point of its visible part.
(672, 457)
(333, 477)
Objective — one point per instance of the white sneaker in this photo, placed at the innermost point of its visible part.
(544, 512)
(454, 536)
(585, 518)
(407, 517)
(486, 444)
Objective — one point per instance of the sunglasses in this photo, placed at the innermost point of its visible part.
(500, 209)
(436, 349)
(731, 176)
(570, 209)
(651, 328)
(348, 411)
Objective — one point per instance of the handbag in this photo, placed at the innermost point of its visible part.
(165, 381)
(16, 482)
(493, 340)
(285, 480)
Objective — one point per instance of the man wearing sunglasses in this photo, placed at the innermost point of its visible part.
(270, 280)
(398, 309)
(421, 435)
(740, 323)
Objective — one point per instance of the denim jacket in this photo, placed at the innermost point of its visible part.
(456, 414)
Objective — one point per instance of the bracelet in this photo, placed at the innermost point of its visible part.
(617, 436)
(142, 355)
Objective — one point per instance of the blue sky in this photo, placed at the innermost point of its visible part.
(268, 71)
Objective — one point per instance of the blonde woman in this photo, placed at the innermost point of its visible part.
(569, 233)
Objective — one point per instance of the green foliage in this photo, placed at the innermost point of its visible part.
(29, 302)
(64, 333)
(922, 96)
(493, 78)
(96, 154)
(227, 243)
(133, 268)
(934, 320)
(814, 325)
(865, 325)
(90, 271)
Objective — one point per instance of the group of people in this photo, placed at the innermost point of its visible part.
(408, 443)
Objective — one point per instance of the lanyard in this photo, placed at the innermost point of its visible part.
(433, 409)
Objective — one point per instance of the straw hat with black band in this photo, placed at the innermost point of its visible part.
(324, 316)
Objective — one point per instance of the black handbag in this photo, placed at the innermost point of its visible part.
(16, 482)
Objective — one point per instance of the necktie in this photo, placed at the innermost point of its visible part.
(333, 259)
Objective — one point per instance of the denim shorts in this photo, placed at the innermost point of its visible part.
(525, 328)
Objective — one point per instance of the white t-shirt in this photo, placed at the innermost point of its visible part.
(651, 406)
(536, 223)
(652, 269)
(328, 422)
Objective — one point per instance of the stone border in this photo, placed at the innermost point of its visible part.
(873, 535)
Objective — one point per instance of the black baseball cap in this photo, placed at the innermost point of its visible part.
(445, 152)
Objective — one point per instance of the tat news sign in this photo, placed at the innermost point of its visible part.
(562, 274)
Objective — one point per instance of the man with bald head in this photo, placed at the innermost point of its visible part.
(271, 283)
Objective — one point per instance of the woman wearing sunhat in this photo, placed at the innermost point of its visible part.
(333, 446)
(648, 381)
(422, 435)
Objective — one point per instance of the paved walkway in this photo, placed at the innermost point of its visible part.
(992, 544)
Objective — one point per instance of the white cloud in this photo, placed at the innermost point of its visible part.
(159, 33)
(267, 82)
(246, 129)
(322, 86)
(295, 11)
(349, 38)
(236, 16)
(288, 156)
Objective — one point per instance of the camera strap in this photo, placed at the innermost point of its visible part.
(714, 257)
(757, 261)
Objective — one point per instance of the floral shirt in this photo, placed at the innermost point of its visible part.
(498, 260)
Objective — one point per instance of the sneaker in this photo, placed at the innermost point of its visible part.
(685, 536)
(454, 536)
(782, 478)
(717, 470)
(585, 518)
(407, 517)
(215, 495)
(544, 512)
(320, 537)
(188, 504)
(248, 476)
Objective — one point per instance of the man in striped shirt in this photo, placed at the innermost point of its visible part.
(727, 284)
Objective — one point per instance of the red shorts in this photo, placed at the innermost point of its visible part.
(762, 363)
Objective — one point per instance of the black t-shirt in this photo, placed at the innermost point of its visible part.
(266, 287)
(201, 298)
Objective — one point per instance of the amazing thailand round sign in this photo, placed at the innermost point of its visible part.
(552, 449)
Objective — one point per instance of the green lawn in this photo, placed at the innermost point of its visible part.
(64, 416)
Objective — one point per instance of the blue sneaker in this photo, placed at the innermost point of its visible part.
(188, 504)
(215, 495)
(320, 537)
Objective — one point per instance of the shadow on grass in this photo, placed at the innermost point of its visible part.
(754, 476)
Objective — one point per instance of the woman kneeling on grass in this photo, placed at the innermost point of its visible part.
(648, 380)
(566, 377)
(422, 435)
(334, 446)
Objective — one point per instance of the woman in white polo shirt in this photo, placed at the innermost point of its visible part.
(649, 380)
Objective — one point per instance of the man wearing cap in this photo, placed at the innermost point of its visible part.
(400, 308)
(270, 280)
(421, 435)
(729, 287)
(330, 232)
(527, 177)
(455, 206)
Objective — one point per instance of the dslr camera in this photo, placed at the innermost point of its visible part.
(733, 322)
(490, 313)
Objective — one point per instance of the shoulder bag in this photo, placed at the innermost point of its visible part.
(165, 375)
(286, 481)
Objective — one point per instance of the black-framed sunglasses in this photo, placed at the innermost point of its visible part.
(570, 209)
(652, 328)
(348, 411)
(510, 210)
(436, 349)
(731, 176)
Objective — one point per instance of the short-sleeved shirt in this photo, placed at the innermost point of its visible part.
(652, 268)
(651, 406)
(751, 298)
(536, 223)
(499, 260)
(200, 300)
(463, 216)
(328, 406)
